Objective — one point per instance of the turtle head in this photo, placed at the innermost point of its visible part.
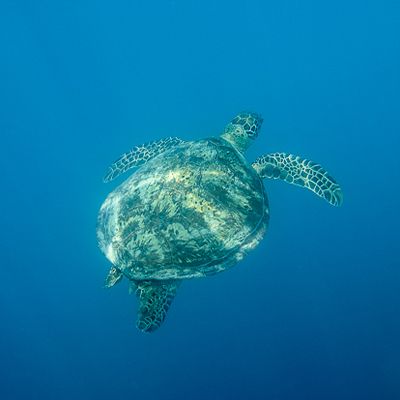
(242, 130)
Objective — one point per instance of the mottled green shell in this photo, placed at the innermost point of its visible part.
(192, 211)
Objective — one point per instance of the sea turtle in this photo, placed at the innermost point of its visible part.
(193, 209)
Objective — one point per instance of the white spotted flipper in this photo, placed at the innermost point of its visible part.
(301, 172)
(139, 155)
(155, 297)
(113, 277)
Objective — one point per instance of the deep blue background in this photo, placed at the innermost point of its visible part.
(313, 312)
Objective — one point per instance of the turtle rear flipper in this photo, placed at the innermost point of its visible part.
(155, 298)
(301, 172)
(139, 155)
(114, 276)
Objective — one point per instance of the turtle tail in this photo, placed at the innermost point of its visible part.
(155, 298)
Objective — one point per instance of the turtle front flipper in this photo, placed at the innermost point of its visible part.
(301, 172)
(155, 297)
(139, 155)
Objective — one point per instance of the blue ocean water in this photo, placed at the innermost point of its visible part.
(313, 312)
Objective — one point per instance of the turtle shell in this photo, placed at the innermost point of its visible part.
(192, 211)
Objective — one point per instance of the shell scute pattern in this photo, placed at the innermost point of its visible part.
(186, 213)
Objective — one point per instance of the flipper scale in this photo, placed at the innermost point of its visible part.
(139, 155)
(155, 298)
(301, 172)
(113, 277)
